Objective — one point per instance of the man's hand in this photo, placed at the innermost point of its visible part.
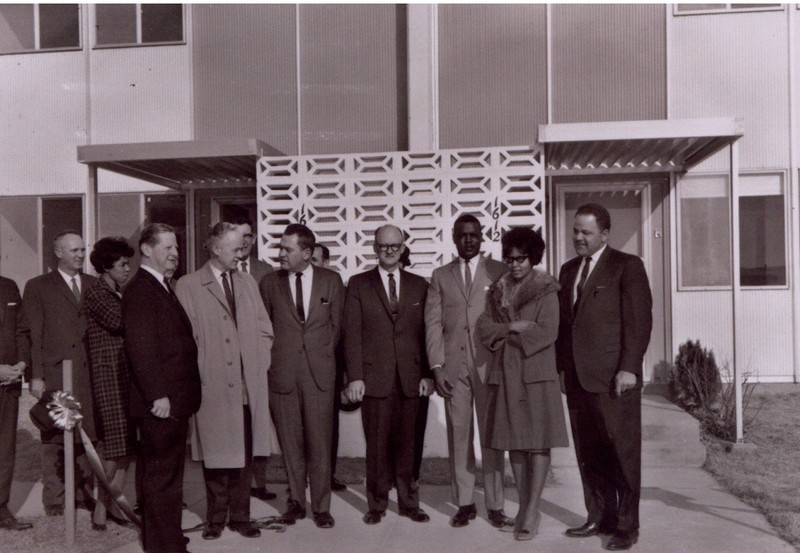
(623, 382)
(355, 391)
(443, 386)
(10, 373)
(161, 407)
(520, 326)
(425, 387)
(37, 388)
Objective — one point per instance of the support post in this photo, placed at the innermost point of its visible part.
(69, 466)
(736, 289)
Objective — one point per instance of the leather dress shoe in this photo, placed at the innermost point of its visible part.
(373, 517)
(245, 528)
(263, 494)
(622, 540)
(293, 513)
(463, 516)
(586, 530)
(336, 485)
(498, 519)
(10, 523)
(212, 531)
(416, 514)
(324, 520)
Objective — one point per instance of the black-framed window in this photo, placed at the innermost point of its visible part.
(138, 24)
(39, 27)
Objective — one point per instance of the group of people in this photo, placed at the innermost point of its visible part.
(260, 358)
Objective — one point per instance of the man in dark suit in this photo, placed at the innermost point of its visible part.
(249, 263)
(456, 298)
(305, 305)
(322, 258)
(388, 371)
(14, 359)
(52, 306)
(165, 389)
(604, 330)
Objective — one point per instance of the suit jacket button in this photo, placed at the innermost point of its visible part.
(230, 385)
(230, 362)
(227, 340)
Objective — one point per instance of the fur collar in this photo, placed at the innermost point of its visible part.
(508, 296)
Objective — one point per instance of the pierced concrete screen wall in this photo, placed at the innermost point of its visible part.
(344, 198)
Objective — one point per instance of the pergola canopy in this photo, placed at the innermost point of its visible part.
(674, 145)
(182, 165)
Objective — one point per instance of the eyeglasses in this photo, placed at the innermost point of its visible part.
(389, 248)
(519, 260)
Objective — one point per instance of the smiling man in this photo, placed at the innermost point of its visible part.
(604, 330)
(456, 298)
(305, 304)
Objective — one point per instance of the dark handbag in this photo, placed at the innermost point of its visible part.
(40, 415)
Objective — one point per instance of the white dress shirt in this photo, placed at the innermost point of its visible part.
(159, 276)
(68, 279)
(385, 279)
(595, 257)
(306, 279)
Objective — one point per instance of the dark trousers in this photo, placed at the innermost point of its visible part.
(161, 461)
(53, 487)
(303, 422)
(608, 443)
(420, 425)
(9, 409)
(337, 403)
(228, 489)
(390, 432)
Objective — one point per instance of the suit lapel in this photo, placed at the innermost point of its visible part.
(65, 290)
(594, 277)
(316, 293)
(283, 282)
(211, 284)
(458, 276)
(377, 283)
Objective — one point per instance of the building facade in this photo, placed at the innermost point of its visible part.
(337, 80)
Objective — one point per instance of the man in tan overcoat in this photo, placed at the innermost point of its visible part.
(234, 338)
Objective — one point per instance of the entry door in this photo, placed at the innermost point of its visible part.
(221, 204)
(637, 209)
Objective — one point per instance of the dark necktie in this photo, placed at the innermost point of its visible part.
(244, 266)
(582, 282)
(169, 289)
(467, 276)
(298, 296)
(392, 295)
(228, 288)
(75, 290)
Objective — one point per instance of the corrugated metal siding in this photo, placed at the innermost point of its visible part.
(42, 108)
(492, 74)
(245, 76)
(353, 78)
(609, 62)
(765, 329)
(735, 65)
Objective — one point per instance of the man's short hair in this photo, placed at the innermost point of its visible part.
(240, 220)
(601, 215)
(150, 234)
(326, 253)
(467, 218)
(217, 232)
(63, 233)
(305, 237)
(388, 225)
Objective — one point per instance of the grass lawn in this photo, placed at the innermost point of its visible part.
(767, 477)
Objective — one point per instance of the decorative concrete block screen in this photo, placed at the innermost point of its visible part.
(344, 198)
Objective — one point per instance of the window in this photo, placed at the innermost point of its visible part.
(58, 215)
(704, 236)
(132, 24)
(698, 9)
(762, 230)
(32, 27)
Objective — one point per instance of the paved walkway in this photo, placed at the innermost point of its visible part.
(683, 509)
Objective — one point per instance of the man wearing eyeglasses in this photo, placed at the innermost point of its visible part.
(456, 298)
(251, 264)
(388, 371)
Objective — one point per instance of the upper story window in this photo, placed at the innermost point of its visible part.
(36, 27)
(138, 24)
(698, 9)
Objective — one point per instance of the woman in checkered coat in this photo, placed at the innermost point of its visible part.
(102, 305)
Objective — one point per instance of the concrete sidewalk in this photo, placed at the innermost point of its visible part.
(683, 509)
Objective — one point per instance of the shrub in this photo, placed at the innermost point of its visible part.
(695, 383)
(694, 380)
